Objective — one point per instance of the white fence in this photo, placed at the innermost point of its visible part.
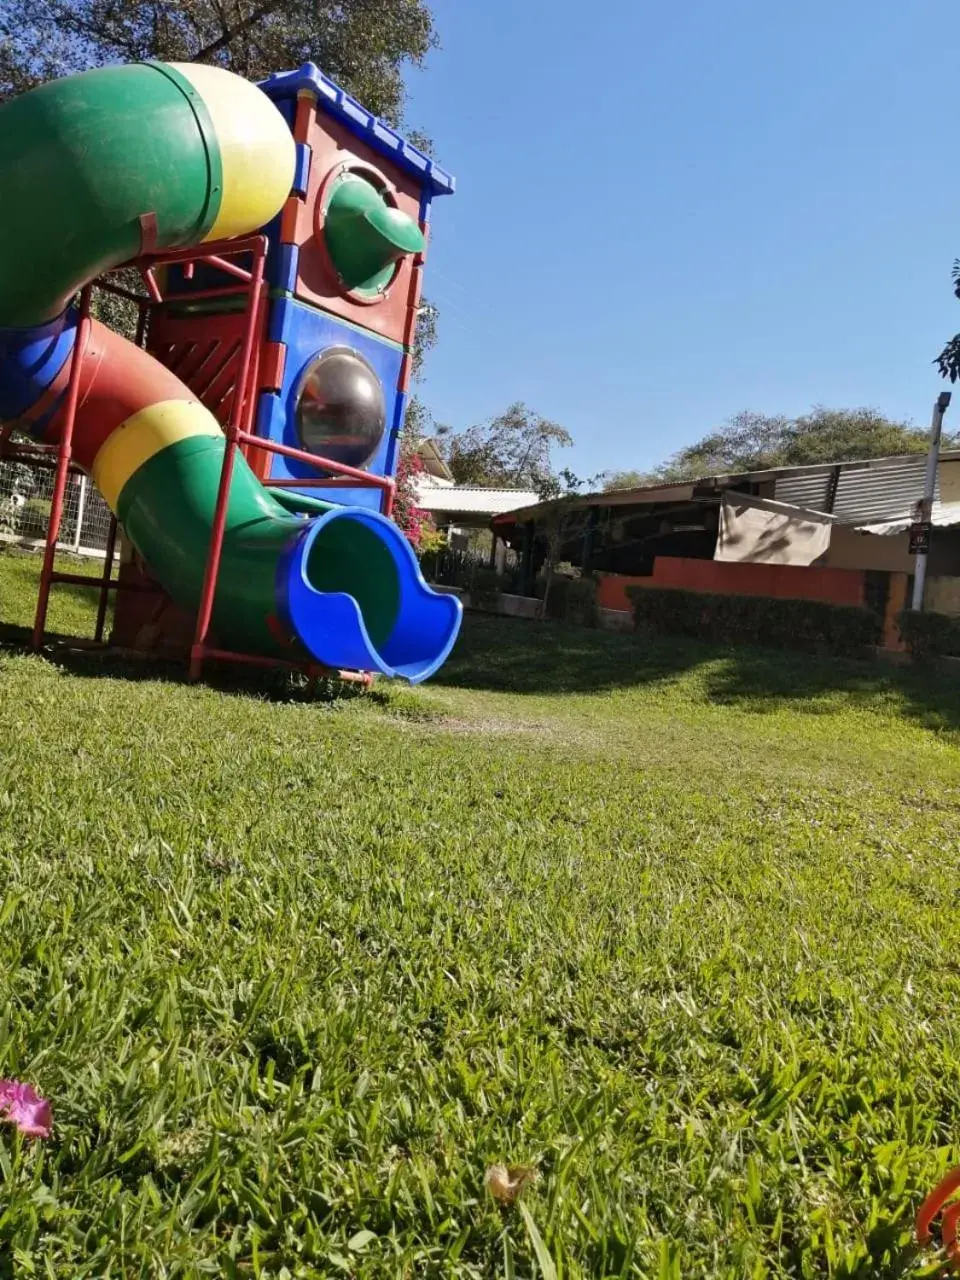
(25, 494)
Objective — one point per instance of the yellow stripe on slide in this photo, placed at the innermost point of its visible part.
(257, 151)
(144, 434)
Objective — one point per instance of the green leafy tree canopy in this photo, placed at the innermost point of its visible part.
(363, 44)
(948, 361)
(755, 441)
(511, 451)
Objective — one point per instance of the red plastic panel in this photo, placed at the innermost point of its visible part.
(204, 352)
(334, 148)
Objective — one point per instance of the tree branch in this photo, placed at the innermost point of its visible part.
(243, 26)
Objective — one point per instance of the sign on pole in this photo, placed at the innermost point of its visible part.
(920, 538)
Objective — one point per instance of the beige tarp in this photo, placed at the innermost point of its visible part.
(949, 482)
(760, 531)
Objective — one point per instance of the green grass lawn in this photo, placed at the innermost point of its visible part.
(676, 926)
(72, 609)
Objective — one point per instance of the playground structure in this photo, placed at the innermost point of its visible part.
(246, 442)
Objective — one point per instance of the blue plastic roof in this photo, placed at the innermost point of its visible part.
(361, 122)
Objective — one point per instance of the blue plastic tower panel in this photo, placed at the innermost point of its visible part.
(306, 333)
(301, 176)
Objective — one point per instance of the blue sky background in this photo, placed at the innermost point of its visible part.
(670, 212)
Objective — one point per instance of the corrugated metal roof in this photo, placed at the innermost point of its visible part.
(804, 491)
(867, 490)
(945, 516)
(479, 501)
(880, 495)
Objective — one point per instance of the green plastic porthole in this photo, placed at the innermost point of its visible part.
(365, 236)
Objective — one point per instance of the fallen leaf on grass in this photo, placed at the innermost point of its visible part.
(505, 1182)
(21, 1105)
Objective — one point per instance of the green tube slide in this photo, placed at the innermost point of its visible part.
(93, 169)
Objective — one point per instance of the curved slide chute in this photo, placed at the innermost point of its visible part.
(196, 154)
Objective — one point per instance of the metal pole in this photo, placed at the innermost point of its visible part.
(105, 580)
(81, 505)
(926, 503)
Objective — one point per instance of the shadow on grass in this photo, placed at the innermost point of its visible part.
(515, 655)
(521, 656)
(264, 683)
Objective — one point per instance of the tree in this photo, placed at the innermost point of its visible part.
(407, 513)
(363, 44)
(557, 523)
(417, 424)
(626, 480)
(745, 442)
(948, 361)
(756, 441)
(841, 435)
(425, 335)
(511, 451)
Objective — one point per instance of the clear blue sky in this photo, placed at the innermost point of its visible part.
(670, 212)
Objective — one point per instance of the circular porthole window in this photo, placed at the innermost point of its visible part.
(340, 410)
(366, 235)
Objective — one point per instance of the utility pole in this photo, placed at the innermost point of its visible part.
(920, 531)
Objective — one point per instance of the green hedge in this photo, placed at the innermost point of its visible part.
(34, 518)
(571, 600)
(795, 624)
(930, 635)
(485, 587)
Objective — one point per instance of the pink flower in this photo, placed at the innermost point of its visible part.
(20, 1104)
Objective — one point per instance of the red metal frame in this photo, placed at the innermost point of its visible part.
(344, 476)
(238, 435)
(64, 454)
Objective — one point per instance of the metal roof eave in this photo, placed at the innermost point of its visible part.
(713, 487)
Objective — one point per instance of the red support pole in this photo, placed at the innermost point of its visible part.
(248, 422)
(105, 580)
(344, 476)
(315, 460)
(312, 670)
(228, 268)
(319, 482)
(244, 391)
(63, 468)
(212, 570)
(233, 434)
(152, 287)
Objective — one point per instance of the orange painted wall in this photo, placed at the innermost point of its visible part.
(791, 582)
(612, 589)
